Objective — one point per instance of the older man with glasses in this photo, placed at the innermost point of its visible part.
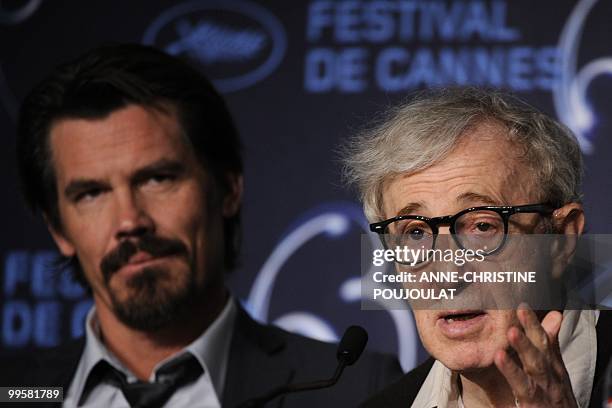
(468, 168)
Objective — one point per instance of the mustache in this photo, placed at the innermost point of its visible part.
(153, 245)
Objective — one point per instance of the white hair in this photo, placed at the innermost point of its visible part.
(418, 134)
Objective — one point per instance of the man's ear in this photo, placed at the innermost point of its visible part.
(232, 199)
(64, 245)
(569, 219)
(568, 224)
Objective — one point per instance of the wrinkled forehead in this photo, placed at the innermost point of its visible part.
(125, 140)
(485, 167)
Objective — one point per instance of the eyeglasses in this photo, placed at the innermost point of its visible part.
(477, 228)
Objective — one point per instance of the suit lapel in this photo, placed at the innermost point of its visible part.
(258, 362)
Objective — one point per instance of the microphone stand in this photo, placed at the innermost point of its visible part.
(291, 388)
(349, 350)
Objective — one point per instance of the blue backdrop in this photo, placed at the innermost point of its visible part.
(299, 77)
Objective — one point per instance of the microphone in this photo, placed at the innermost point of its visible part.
(351, 346)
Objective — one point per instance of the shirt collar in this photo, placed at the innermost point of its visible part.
(211, 349)
(578, 344)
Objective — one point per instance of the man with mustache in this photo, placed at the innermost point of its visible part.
(473, 169)
(133, 160)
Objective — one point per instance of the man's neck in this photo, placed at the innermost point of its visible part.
(485, 388)
(141, 351)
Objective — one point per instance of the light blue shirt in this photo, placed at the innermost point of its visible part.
(211, 350)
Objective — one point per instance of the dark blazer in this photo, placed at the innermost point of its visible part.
(261, 358)
(402, 393)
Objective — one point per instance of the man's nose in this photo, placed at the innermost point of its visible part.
(444, 229)
(444, 240)
(132, 217)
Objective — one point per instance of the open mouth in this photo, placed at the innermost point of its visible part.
(461, 316)
(461, 324)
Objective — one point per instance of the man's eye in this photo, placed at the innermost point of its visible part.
(159, 179)
(415, 233)
(88, 195)
(482, 227)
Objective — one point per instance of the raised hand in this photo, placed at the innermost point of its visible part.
(541, 379)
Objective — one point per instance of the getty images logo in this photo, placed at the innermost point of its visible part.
(235, 42)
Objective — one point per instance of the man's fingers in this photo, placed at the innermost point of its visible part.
(532, 327)
(533, 360)
(538, 350)
(522, 387)
(552, 324)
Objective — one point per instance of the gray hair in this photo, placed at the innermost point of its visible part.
(421, 132)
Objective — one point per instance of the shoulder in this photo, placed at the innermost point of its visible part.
(310, 354)
(604, 356)
(603, 330)
(403, 392)
(370, 362)
(307, 360)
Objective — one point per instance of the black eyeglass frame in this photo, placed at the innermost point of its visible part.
(504, 211)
